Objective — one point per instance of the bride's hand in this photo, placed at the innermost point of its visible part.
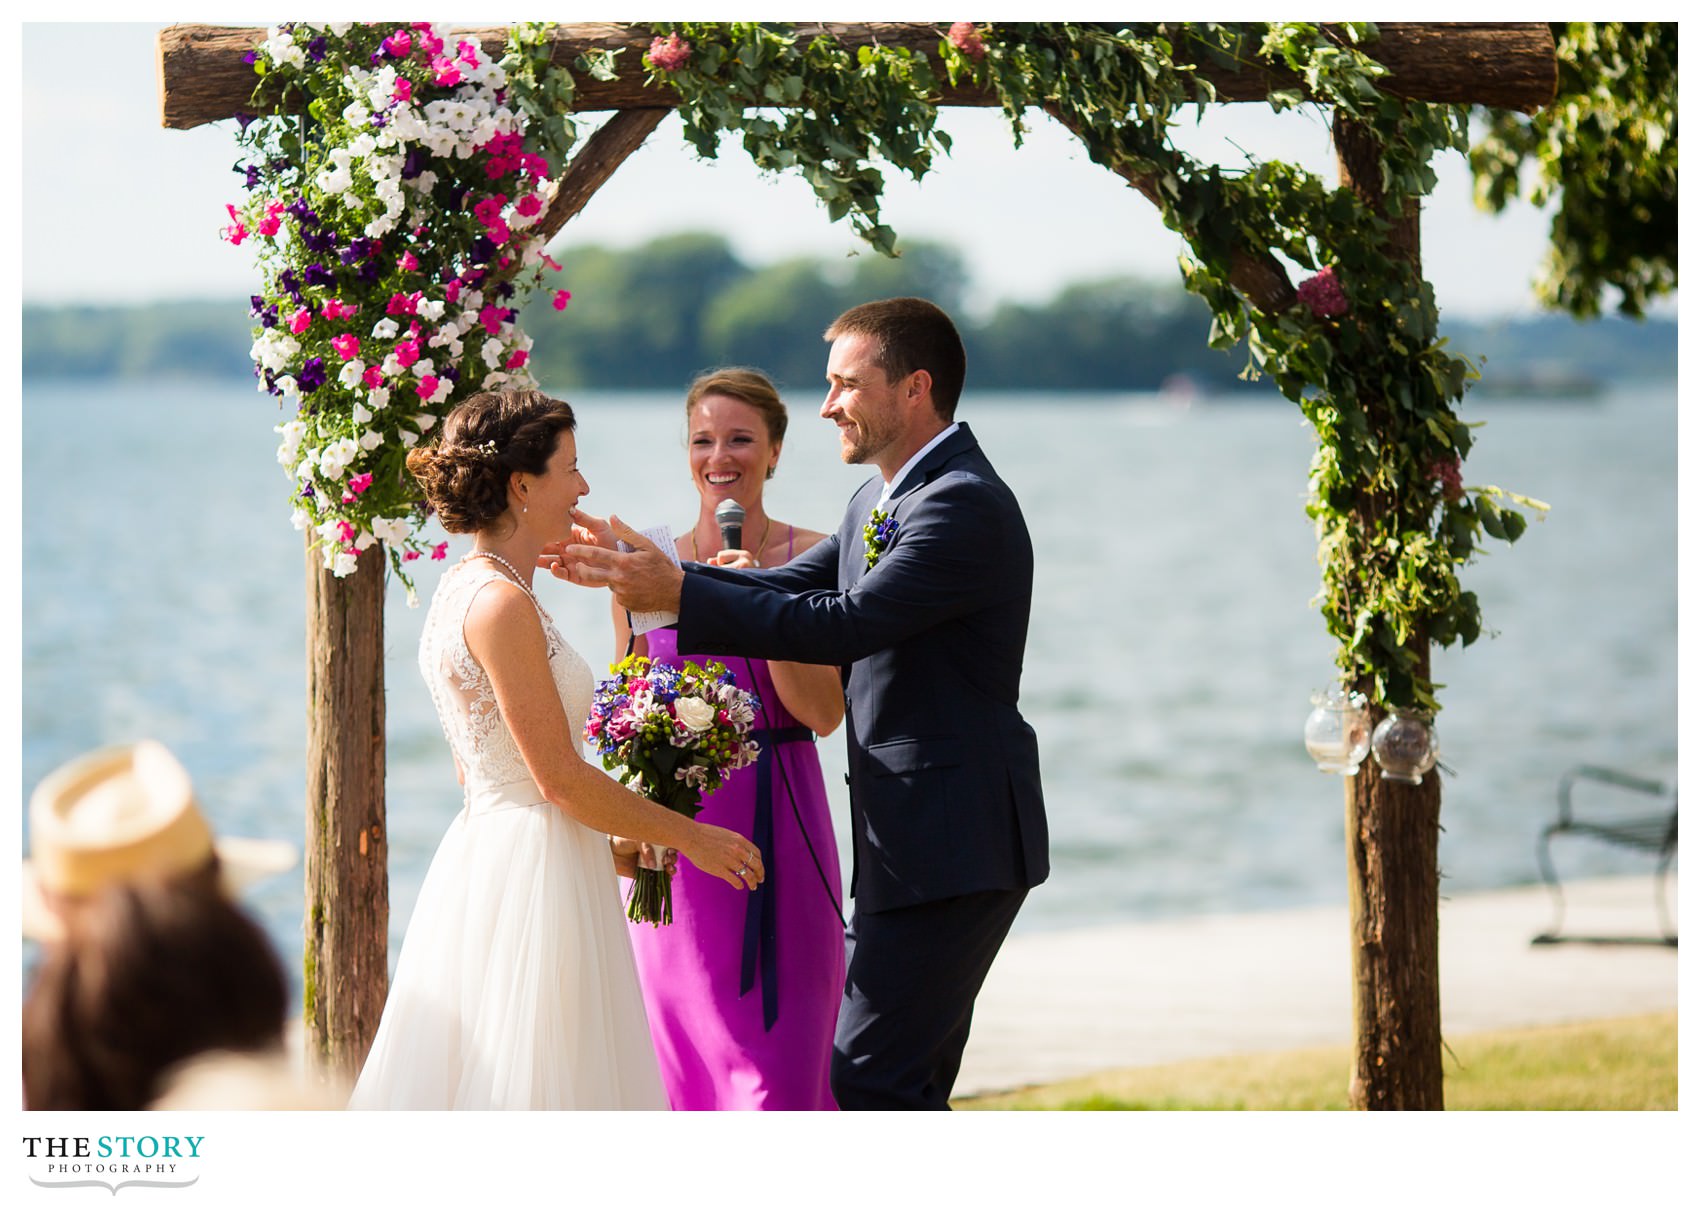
(728, 855)
(591, 530)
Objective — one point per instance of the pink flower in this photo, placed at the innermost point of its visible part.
(408, 261)
(399, 43)
(516, 359)
(468, 52)
(407, 352)
(269, 225)
(299, 321)
(529, 205)
(965, 38)
(427, 386)
(1323, 295)
(409, 555)
(535, 165)
(440, 551)
(336, 309)
(447, 72)
(428, 42)
(1448, 473)
(451, 292)
(489, 211)
(347, 532)
(491, 317)
(403, 304)
(360, 483)
(234, 232)
(669, 53)
(403, 89)
(551, 263)
(373, 377)
(560, 300)
(347, 345)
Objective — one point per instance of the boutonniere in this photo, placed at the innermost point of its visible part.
(878, 534)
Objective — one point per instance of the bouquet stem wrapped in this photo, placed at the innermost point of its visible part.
(676, 734)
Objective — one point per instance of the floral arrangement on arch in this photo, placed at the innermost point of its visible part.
(390, 222)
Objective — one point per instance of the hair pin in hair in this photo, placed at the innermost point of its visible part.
(487, 449)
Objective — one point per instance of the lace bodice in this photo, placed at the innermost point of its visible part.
(461, 690)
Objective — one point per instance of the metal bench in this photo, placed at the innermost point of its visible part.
(1653, 832)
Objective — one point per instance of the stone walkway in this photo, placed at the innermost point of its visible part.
(1064, 1004)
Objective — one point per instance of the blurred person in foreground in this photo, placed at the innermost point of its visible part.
(147, 961)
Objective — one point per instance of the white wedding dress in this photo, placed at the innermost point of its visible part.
(516, 986)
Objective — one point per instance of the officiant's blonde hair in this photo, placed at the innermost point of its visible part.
(743, 383)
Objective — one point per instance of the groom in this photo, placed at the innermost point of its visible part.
(924, 595)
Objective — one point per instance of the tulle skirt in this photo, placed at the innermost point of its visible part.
(515, 988)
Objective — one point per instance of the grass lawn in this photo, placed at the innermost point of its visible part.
(1620, 1064)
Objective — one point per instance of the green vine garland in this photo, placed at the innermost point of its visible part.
(1359, 349)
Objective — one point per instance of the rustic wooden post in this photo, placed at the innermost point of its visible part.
(348, 909)
(1392, 829)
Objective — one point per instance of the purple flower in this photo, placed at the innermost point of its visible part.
(302, 212)
(317, 275)
(369, 271)
(307, 493)
(483, 250)
(243, 120)
(449, 373)
(415, 163)
(316, 49)
(251, 174)
(290, 284)
(312, 376)
(505, 291)
(268, 317)
(251, 58)
(256, 304)
(1323, 295)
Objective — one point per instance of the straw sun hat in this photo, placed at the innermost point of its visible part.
(124, 813)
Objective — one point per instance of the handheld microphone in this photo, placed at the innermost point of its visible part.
(729, 516)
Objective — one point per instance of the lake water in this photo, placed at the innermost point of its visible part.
(1172, 653)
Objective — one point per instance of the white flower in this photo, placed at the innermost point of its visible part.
(362, 145)
(364, 540)
(338, 455)
(290, 447)
(384, 329)
(392, 366)
(381, 226)
(339, 28)
(491, 351)
(694, 713)
(300, 518)
(424, 368)
(444, 387)
(391, 530)
(380, 398)
(413, 597)
(342, 563)
(425, 182)
(432, 309)
(274, 349)
(286, 384)
(361, 415)
(331, 532)
(424, 420)
(351, 373)
(371, 440)
(408, 438)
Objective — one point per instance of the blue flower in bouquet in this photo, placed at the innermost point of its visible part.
(878, 535)
(675, 734)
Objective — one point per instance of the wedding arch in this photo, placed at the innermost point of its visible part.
(414, 173)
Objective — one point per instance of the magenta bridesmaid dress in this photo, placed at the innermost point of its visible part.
(743, 988)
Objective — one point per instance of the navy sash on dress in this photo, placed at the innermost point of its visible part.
(761, 919)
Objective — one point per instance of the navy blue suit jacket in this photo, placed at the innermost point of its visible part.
(944, 772)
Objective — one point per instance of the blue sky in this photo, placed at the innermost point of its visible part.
(1027, 222)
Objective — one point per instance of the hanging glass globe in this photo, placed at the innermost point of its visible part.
(1405, 745)
(1337, 730)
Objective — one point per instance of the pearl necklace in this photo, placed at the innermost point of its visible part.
(490, 555)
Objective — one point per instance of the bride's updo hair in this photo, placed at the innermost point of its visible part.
(487, 438)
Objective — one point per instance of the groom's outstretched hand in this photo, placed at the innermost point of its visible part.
(642, 579)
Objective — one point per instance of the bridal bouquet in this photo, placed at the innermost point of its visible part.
(676, 734)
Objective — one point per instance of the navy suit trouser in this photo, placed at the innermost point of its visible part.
(909, 987)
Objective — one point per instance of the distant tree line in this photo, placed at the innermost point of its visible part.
(653, 316)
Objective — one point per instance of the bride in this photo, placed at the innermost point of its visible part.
(515, 987)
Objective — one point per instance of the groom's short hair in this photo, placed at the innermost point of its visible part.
(911, 334)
